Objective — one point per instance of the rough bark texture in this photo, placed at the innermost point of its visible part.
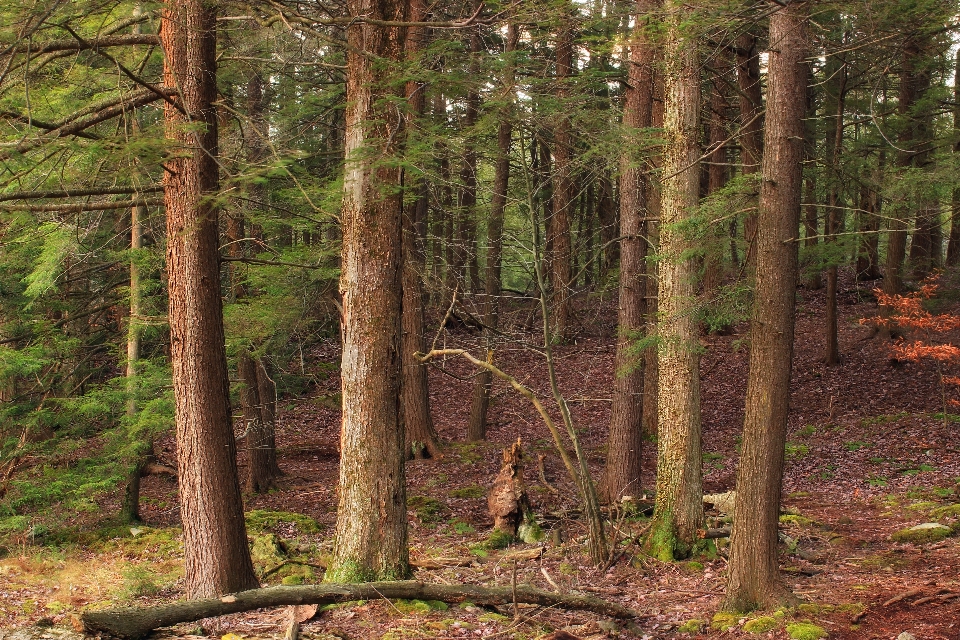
(130, 511)
(753, 579)
(371, 531)
(650, 361)
(421, 439)
(679, 506)
(490, 304)
(133, 624)
(507, 501)
(558, 223)
(621, 475)
(751, 127)
(215, 541)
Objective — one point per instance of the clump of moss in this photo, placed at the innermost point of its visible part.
(499, 539)
(428, 510)
(922, 533)
(761, 624)
(694, 625)
(724, 621)
(805, 631)
(473, 491)
(949, 511)
(262, 521)
(420, 606)
(801, 521)
(530, 532)
(815, 609)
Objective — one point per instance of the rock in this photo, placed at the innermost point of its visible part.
(722, 502)
(906, 636)
(922, 533)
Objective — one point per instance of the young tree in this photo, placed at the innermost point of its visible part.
(215, 541)
(371, 531)
(678, 514)
(753, 579)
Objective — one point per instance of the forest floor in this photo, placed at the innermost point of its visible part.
(868, 454)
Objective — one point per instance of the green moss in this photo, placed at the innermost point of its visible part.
(262, 521)
(694, 625)
(461, 527)
(724, 621)
(922, 534)
(294, 579)
(805, 631)
(925, 505)
(493, 617)
(693, 566)
(351, 572)
(566, 568)
(498, 539)
(428, 510)
(761, 624)
(798, 520)
(949, 511)
(267, 551)
(815, 609)
(473, 491)
(530, 532)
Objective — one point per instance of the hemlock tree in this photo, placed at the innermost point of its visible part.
(754, 578)
(215, 540)
(621, 475)
(678, 513)
(371, 532)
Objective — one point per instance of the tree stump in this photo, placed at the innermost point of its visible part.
(507, 501)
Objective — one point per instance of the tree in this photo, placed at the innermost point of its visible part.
(753, 579)
(621, 474)
(215, 541)
(371, 531)
(678, 513)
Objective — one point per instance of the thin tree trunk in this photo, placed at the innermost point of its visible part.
(717, 174)
(621, 475)
(415, 418)
(490, 306)
(467, 205)
(753, 579)
(652, 195)
(751, 128)
(678, 513)
(834, 147)
(262, 467)
(371, 531)
(558, 227)
(215, 540)
(868, 254)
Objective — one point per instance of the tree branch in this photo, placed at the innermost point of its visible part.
(76, 193)
(81, 206)
(85, 45)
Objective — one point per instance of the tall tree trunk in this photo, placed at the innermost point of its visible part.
(608, 225)
(130, 511)
(868, 253)
(753, 579)
(811, 223)
(751, 128)
(371, 531)
(490, 306)
(415, 418)
(621, 475)
(652, 193)
(953, 245)
(716, 179)
(678, 513)
(467, 205)
(558, 227)
(262, 467)
(831, 354)
(215, 540)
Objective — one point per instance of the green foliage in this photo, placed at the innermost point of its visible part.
(795, 451)
(428, 510)
(264, 521)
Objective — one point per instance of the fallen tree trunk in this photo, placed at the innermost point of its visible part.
(136, 623)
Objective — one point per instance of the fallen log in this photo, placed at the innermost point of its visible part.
(135, 623)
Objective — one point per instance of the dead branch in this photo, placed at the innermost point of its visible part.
(76, 193)
(83, 45)
(135, 623)
(82, 206)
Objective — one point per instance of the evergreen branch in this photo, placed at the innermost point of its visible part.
(80, 44)
(83, 206)
(76, 193)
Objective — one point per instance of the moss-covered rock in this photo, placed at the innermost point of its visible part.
(761, 624)
(805, 631)
(796, 519)
(922, 533)
(948, 511)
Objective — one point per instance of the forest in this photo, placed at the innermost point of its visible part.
(479, 318)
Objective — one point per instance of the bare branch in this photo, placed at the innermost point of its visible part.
(77, 193)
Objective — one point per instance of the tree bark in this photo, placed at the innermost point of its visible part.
(953, 245)
(717, 175)
(621, 475)
(215, 541)
(415, 418)
(558, 223)
(490, 305)
(650, 360)
(371, 531)
(753, 579)
(678, 513)
(831, 354)
(259, 436)
(133, 624)
(751, 128)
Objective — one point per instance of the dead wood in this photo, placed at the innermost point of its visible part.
(507, 501)
(134, 623)
(446, 562)
(902, 596)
